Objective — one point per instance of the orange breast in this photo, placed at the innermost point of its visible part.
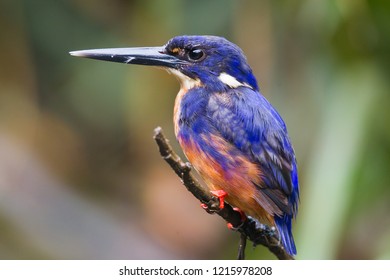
(237, 175)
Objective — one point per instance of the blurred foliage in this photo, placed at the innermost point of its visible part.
(80, 176)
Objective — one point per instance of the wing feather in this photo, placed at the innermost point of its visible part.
(248, 121)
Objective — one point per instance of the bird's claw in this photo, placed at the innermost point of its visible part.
(207, 208)
(216, 204)
(220, 194)
(243, 219)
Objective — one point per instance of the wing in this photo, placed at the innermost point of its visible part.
(248, 121)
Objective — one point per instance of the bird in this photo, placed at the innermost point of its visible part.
(230, 133)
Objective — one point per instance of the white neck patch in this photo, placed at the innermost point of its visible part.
(230, 81)
(185, 81)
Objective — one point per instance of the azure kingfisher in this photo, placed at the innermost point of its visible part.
(230, 133)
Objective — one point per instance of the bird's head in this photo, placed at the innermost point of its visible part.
(208, 61)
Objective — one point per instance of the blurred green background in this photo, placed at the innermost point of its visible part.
(81, 177)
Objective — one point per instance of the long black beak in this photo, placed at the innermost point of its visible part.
(154, 56)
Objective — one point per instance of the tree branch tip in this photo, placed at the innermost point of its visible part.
(157, 130)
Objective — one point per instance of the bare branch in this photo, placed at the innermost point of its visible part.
(250, 228)
(241, 247)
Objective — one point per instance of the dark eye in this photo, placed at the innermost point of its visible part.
(196, 54)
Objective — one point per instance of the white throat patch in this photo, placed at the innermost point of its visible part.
(185, 81)
(230, 81)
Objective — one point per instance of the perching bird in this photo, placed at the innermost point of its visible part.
(229, 132)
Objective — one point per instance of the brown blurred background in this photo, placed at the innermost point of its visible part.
(80, 175)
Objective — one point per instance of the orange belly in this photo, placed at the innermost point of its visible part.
(237, 176)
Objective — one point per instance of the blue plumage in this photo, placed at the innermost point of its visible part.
(234, 110)
(229, 132)
(249, 122)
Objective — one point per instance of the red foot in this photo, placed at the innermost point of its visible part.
(243, 218)
(230, 226)
(221, 196)
(205, 207)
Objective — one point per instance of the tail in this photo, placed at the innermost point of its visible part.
(283, 225)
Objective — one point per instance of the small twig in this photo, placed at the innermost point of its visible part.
(251, 229)
(241, 247)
